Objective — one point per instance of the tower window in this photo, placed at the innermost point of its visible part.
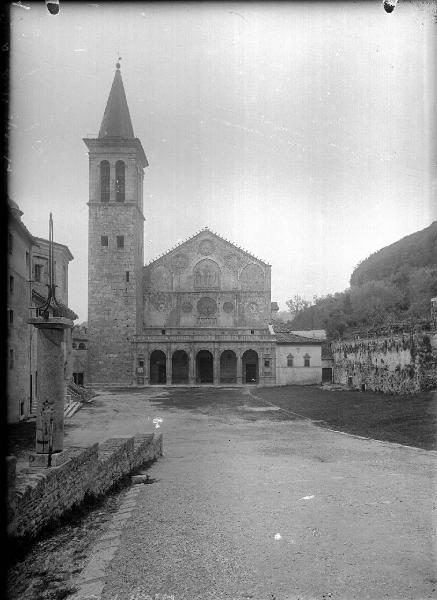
(127, 276)
(104, 240)
(104, 181)
(119, 181)
(11, 284)
(120, 242)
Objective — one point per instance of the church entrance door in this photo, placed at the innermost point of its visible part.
(204, 367)
(158, 371)
(250, 366)
(180, 367)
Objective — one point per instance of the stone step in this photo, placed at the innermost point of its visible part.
(71, 409)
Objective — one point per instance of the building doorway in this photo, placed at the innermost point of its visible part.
(204, 367)
(78, 378)
(326, 374)
(158, 371)
(179, 369)
(250, 367)
(228, 367)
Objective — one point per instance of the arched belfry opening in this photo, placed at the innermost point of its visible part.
(120, 176)
(250, 367)
(204, 367)
(158, 368)
(104, 181)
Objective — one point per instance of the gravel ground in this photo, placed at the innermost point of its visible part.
(249, 502)
(269, 509)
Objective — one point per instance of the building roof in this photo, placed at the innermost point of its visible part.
(59, 309)
(284, 335)
(15, 216)
(213, 233)
(292, 338)
(116, 120)
(43, 242)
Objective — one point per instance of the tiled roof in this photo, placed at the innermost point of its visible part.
(292, 338)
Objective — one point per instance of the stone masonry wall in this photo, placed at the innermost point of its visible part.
(398, 364)
(38, 496)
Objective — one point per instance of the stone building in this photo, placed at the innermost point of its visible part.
(27, 292)
(79, 354)
(198, 314)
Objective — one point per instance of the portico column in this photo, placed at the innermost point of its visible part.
(168, 367)
(192, 368)
(239, 369)
(216, 367)
(146, 367)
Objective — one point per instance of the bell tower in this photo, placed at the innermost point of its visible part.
(115, 241)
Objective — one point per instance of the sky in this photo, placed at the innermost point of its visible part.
(301, 131)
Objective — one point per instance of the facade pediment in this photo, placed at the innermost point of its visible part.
(207, 281)
(207, 261)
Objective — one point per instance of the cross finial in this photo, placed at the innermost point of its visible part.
(117, 64)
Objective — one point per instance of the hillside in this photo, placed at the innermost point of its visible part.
(409, 253)
(392, 288)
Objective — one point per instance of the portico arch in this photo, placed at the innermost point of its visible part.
(204, 367)
(158, 370)
(180, 367)
(228, 367)
(250, 367)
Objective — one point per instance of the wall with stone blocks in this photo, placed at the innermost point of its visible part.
(398, 364)
(38, 496)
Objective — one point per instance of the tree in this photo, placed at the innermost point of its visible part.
(297, 304)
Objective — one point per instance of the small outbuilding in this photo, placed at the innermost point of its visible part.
(298, 358)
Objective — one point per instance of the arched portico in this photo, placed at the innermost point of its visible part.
(204, 367)
(228, 367)
(250, 367)
(158, 370)
(180, 367)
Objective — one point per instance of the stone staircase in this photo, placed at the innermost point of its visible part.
(74, 398)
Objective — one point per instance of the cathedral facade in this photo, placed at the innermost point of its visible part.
(199, 314)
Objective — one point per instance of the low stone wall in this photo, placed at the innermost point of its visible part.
(38, 496)
(394, 364)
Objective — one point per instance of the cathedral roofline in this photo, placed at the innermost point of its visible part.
(220, 237)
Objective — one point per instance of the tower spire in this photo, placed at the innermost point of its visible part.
(116, 122)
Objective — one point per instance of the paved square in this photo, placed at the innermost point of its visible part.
(248, 505)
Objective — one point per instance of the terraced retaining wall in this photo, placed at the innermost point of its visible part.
(398, 364)
(38, 496)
